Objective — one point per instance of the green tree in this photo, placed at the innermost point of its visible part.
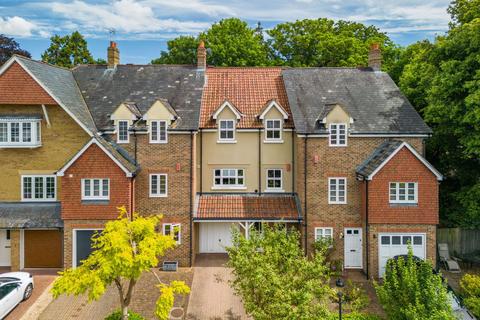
(8, 47)
(181, 50)
(275, 279)
(124, 250)
(68, 51)
(326, 43)
(411, 291)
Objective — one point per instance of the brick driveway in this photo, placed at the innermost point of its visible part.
(211, 297)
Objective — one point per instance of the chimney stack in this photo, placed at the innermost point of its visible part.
(375, 57)
(113, 55)
(201, 56)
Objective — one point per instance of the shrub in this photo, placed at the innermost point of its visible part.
(356, 316)
(470, 285)
(411, 291)
(117, 315)
(355, 297)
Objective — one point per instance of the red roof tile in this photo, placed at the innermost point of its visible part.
(248, 89)
(249, 206)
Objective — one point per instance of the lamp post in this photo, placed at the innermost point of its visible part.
(340, 284)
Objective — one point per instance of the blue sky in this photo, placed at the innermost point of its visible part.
(142, 27)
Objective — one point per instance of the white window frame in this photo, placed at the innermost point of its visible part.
(337, 191)
(397, 189)
(220, 130)
(92, 197)
(158, 194)
(229, 186)
(118, 131)
(158, 131)
(280, 129)
(43, 199)
(267, 178)
(172, 227)
(323, 235)
(334, 135)
(35, 134)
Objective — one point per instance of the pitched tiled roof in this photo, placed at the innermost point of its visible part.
(21, 215)
(247, 206)
(248, 89)
(378, 156)
(371, 98)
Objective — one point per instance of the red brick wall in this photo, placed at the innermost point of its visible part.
(94, 163)
(17, 87)
(404, 167)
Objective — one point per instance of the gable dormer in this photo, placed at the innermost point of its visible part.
(226, 117)
(273, 110)
(337, 121)
(123, 118)
(273, 117)
(159, 118)
(225, 110)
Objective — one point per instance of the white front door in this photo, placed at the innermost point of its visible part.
(5, 248)
(215, 237)
(353, 248)
(395, 244)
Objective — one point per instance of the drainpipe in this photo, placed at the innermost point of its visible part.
(367, 228)
(305, 162)
(259, 161)
(191, 194)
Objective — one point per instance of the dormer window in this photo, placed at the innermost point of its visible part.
(273, 130)
(123, 135)
(226, 131)
(18, 134)
(338, 135)
(158, 131)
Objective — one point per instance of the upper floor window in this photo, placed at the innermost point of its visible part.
(122, 131)
(403, 192)
(226, 130)
(274, 179)
(323, 233)
(229, 178)
(338, 134)
(273, 130)
(174, 230)
(38, 188)
(20, 133)
(158, 131)
(158, 185)
(337, 190)
(95, 189)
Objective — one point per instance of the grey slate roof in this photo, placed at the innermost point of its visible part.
(378, 156)
(104, 89)
(120, 154)
(371, 98)
(61, 83)
(20, 215)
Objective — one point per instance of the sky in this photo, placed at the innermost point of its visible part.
(142, 27)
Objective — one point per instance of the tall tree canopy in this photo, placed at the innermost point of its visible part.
(442, 79)
(8, 47)
(68, 51)
(181, 50)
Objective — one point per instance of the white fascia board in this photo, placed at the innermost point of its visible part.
(229, 105)
(270, 106)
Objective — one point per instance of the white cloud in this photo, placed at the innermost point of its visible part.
(121, 15)
(16, 26)
(195, 6)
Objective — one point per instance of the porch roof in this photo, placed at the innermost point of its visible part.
(247, 206)
(30, 215)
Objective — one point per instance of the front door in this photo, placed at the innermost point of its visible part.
(5, 248)
(353, 248)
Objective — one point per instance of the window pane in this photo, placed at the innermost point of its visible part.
(417, 240)
(123, 131)
(396, 239)
(15, 132)
(240, 172)
(50, 187)
(163, 131)
(406, 240)
(26, 132)
(385, 240)
(230, 124)
(269, 124)
(163, 184)
(38, 188)
(96, 187)
(3, 132)
(154, 184)
(86, 187)
(105, 187)
(38, 131)
(167, 229)
(154, 130)
(27, 188)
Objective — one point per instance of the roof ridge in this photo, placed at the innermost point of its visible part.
(42, 62)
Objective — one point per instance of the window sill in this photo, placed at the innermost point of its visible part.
(273, 141)
(40, 200)
(158, 195)
(123, 142)
(227, 141)
(344, 203)
(228, 188)
(273, 190)
(400, 204)
(338, 145)
(18, 146)
(96, 202)
(158, 142)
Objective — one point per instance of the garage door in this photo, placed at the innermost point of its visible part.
(394, 244)
(43, 249)
(214, 237)
(82, 245)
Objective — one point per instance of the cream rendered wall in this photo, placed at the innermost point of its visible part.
(338, 115)
(244, 154)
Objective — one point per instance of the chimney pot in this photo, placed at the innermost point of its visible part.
(201, 56)
(113, 55)
(375, 57)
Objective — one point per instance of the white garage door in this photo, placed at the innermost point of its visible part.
(215, 236)
(394, 244)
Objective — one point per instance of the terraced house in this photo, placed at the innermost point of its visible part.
(333, 152)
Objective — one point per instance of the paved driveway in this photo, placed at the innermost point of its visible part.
(211, 297)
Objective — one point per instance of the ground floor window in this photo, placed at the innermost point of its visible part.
(323, 233)
(173, 229)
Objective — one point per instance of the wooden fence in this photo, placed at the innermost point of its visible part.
(460, 241)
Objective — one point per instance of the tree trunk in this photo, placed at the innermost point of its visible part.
(124, 312)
